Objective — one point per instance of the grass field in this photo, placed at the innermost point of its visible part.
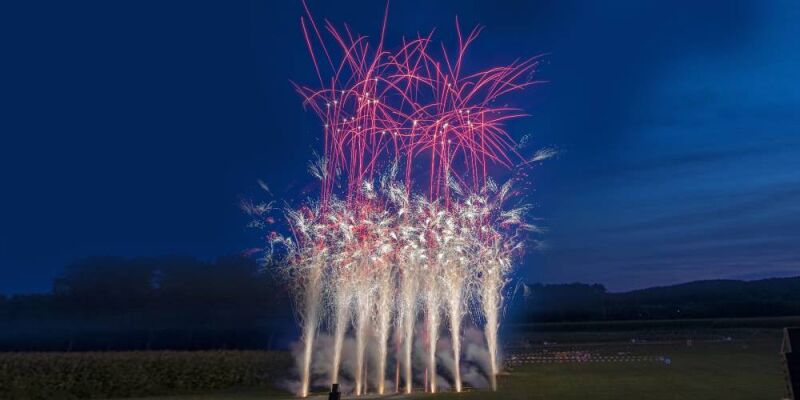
(746, 365)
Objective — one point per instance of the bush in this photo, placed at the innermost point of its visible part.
(139, 373)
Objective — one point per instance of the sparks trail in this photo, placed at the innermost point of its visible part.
(396, 257)
(380, 105)
(388, 247)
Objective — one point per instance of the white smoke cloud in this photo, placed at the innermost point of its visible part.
(474, 365)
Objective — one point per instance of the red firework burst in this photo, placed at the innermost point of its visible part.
(410, 107)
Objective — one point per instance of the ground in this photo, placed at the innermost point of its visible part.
(745, 364)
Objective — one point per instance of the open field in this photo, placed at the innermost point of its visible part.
(78, 375)
(656, 361)
(732, 363)
(729, 371)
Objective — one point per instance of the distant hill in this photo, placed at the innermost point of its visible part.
(700, 299)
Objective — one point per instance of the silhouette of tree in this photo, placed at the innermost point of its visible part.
(106, 284)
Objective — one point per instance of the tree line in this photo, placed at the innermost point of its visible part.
(114, 303)
(108, 303)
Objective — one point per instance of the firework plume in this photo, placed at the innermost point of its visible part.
(409, 231)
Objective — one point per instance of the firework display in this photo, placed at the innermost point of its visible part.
(410, 232)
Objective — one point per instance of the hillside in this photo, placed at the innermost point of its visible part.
(700, 299)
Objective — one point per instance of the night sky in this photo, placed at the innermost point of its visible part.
(134, 128)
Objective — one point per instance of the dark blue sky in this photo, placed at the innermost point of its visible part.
(134, 128)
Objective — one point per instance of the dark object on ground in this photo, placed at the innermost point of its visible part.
(334, 394)
(791, 359)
